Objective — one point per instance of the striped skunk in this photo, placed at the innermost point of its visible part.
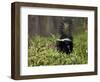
(65, 44)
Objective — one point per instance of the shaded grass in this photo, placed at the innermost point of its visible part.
(42, 51)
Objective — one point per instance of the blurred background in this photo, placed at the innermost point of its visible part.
(47, 25)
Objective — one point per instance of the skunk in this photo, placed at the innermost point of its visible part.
(65, 44)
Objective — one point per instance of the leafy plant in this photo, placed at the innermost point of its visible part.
(42, 51)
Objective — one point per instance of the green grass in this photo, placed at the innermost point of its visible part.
(42, 51)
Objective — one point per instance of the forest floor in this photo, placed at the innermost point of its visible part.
(42, 51)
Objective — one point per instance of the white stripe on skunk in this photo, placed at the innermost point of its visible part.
(65, 39)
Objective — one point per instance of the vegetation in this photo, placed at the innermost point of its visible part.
(42, 51)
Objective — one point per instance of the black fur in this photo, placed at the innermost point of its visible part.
(65, 46)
